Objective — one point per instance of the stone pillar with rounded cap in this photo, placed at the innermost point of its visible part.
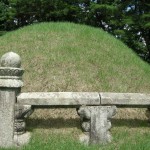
(10, 86)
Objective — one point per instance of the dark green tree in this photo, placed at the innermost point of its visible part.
(7, 15)
(135, 20)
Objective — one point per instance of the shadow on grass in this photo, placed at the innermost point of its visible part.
(59, 123)
(56, 123)
(3, 33)
(131, 123)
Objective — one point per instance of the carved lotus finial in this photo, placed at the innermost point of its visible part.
(10, 59)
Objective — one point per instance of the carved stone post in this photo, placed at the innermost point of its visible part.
(21, 113)
(96, 123)
(10, 86)
(21, 137)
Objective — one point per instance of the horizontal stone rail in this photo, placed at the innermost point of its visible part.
(94, 108)
(59, 98)
(83, 98)
(125, 99)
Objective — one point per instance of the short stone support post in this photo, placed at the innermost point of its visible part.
(96, 123)
(10, 87)
(21, 137)
(21, 113)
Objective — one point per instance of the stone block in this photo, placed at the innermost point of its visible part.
(59, 98)
(96, 123)
(125, 99)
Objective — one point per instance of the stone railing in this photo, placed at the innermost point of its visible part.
(95, 109)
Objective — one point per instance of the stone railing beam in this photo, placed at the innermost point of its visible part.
(125, 99)
(59, 98)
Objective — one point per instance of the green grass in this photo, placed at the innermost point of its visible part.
(123, 140)
(70, 57)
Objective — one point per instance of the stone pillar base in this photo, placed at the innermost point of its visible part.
(22, 139)
(96, 123)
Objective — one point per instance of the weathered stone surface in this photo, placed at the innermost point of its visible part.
(11, 77)
(59, 98)
(125, 99)
(7, 101)
(23, 139)
(84, 112)
(19, 127)
(10, 72)
(86, 125)
(100, 124)
(10, 59)
(85, 138)
(10, 84)
(21, 112)
(96, 123)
